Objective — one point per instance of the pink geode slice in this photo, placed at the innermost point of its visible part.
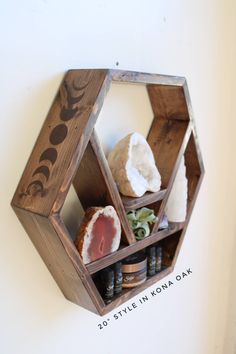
(99, 233)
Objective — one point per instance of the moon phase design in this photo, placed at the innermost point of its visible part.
(58, 134)
(67, 114)
(67, 111)
(43, 170)
(34, 188)
(73, 100)
(79, 88)
(49, 154)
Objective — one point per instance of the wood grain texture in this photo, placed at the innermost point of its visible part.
(61, 142)
(128, 294)
(77, 262)
(168, 102)
(128, 250)
(165, 139)
(169, 247)
(54, 255)
(95, 185)
(193, 168)
(145, 78)
(131, 203)
(89, 182)
(173, 173)
(67, 150)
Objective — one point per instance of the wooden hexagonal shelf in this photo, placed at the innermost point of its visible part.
(68, 151)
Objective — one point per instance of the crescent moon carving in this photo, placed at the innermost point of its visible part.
(73, 100)
(67, 114)
(58, 134)
(50, 154)
(78, 88)
(42, 169)
(34, 188)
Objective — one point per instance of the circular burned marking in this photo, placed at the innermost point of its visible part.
(34, 188)
(43, 170)
(58, 134)
(50, 154)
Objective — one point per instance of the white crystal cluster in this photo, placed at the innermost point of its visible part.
(133, 166)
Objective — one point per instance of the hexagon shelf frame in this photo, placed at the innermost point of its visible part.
(68, 151)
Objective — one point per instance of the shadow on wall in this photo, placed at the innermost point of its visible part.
(31, 111)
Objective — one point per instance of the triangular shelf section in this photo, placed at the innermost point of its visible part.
(68, 152)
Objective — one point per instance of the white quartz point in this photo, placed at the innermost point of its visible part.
(133, 166)
(176, 207)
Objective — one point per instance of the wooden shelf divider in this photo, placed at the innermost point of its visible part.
(125, 251)
(131, 203)
(68, 152)
(127, 294)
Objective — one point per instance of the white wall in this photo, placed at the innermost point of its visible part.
(40, 40)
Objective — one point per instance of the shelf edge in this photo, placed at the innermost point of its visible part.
(126, 251)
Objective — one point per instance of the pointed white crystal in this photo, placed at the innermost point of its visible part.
(176, 207)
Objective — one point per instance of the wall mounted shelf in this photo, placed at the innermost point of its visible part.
(68, 152)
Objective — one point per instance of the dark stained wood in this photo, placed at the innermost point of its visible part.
(126, 251)
(192, 161)
(195, 173)
(169, 247)
(144, 78)
(113, 191)
(173, 173)
(89, 182)
(168, 102)
(77, 262)
(95, 186)
(61, 142)
(165, 138)
(67, 150)
(54, 255)
(188, 101)
(128, 294)
(176, 158)
(81, 146)
(131, 203)
(193, 168)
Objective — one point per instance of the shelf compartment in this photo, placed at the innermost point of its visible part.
(169, 246)
(127, 294)
(131, 203)
(176, 158)
(125, 251)
(194, 173)
(55, 160)
(95, 186)
(169, 134)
